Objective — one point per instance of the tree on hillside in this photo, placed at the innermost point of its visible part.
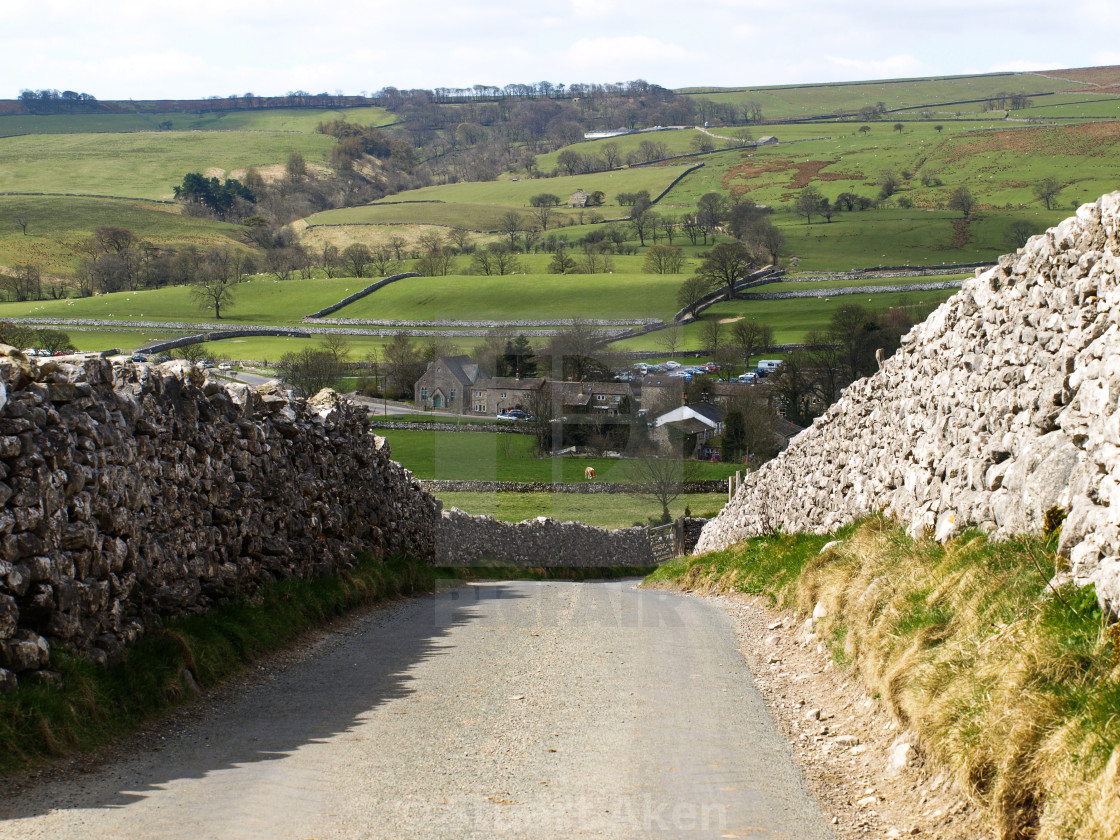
(497, 258)
(808, 203)
(864, 129)
(691, 292)
(511, 224)
(357, 257)
(22, 220)
(726, 264)
(663, 259)
(1047, 190)
(961, 200)
(213, 291)
(1018, 233)
(889, 182)
(898, 127)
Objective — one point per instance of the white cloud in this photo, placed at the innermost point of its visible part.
(892, 67)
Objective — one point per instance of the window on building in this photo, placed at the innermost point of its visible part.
(452, 399)
(423, 393)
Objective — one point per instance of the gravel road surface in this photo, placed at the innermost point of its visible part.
(496, 710)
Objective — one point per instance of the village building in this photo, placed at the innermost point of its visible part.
(505, 393)
(452, 383)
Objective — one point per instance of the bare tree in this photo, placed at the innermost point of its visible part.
(750, 337)
(663, 259)
(511, 224)
(669, 339)
(692, 291)
(961, 200)
(661, 479)
(1047, 190)
(22, 220)
(808, 203)
(311, 369)
(213, 292)
(357, 257)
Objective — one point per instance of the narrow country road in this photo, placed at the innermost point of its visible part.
(497, 710)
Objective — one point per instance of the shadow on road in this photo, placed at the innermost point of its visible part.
(345, 677)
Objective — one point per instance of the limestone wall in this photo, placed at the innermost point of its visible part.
(1001, 405)
(465, 540)
(129, 492)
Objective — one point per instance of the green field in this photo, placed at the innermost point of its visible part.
(301, 120)
(477, 205)
(516, 297)
(800, 101)
(58, 228)
(483, 456)
(141, 164)
(605, 510)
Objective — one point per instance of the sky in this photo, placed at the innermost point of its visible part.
(143, 49)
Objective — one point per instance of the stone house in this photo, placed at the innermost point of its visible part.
(503, 393)
(578, 198)
(452, 384)
(590, 397)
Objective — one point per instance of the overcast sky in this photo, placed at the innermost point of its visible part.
(144, 49)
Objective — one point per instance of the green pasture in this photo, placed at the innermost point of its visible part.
(677, 142)
(517, 296)
(1071, 106)
(73, 124)
(503, 195)
(999, 166)
(791, 319)
(915, 237)
(141, 164)
(59, 226)
(505, 456)
(810, 100)
(604, 510)
(260, 300)
(304, 120)
(301, 120)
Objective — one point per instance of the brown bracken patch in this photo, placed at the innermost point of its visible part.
(1089, 75)
(803, 172)
(1092, 139)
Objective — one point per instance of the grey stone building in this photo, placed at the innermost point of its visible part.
(452, 383)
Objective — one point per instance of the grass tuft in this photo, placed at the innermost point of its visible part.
(1011, 684)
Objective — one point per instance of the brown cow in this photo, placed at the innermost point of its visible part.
(589, 474)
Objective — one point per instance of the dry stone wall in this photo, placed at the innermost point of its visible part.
(131, 492)
(1000, 406)
(465, 540)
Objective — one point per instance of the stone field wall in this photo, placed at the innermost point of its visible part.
(999, 407)
(465, 540)
(132, 492)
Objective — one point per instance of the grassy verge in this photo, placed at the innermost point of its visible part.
(1010, 685)
(164, 668)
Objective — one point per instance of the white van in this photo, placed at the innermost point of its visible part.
(769, 365)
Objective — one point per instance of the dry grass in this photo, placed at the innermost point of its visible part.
(1010, 686)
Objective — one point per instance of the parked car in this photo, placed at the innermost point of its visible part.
(672, 365)
(518, 414)
(139, 357)
(225, 366)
